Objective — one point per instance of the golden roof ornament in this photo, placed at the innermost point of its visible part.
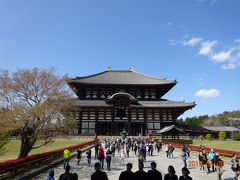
(108, 68)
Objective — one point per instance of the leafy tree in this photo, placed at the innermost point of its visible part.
(209, 137)
(236, 136)
(3, 141)
(201, 138)
(222, 135)
(196, 121)
(4, 133)
(32, 103)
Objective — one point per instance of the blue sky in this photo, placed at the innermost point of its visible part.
(196, 42)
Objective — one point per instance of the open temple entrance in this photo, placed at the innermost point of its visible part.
(115, 128)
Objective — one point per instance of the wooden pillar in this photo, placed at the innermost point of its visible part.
(129, 121)
(145, 132)
(80, 122)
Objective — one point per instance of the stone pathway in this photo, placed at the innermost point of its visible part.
(84, 172)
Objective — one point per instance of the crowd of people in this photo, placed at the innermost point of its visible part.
(105, 151)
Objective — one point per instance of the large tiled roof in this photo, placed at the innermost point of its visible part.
(120, 77)
(165, 103)
(193, 128)
(222, 128)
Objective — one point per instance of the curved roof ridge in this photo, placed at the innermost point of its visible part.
(122, 77)
(82, 77)
(121, 93)
(178, 101)
(148, 76)
(153, 77)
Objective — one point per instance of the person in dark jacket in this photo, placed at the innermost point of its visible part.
(108, 159)
(171, 174)
(96, 146)
(185, 173)
(89, 156)
(98, 174)
(140, 174)
(79, 155)
(154, 174)
(67, 175)
(128, 174)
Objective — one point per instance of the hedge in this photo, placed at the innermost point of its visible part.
(222, 152)
(16, 162)
(179, 141)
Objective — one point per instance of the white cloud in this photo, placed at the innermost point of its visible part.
(213, 2)
(228, 58)
(173, 42)
(222, 56)
(208, 93)
(210, 2)
(229, 66)
(192, 41)
(237, 41)
(233, 62)
(207, 47)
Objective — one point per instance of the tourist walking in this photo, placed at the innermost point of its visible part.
(140, 174)
(185, 173)
(67, 175)
(122, 155)
(184, 158)
(98, 174)
(108, 159)
(219, 166)
(135, 148)
(79, 156)
(188, 151)
(89, 156)
(208, 163)
(159, 146)
(66, 155)
(113, 148)
(154, 174)
(127, 174)
(171, 174)
(128, 150)
(202, 158)
(211, 157)
(150, 149)
(143, 150)
(170, 151)
(235, 166)
(101, 156)
(50, 175)
(96, 147)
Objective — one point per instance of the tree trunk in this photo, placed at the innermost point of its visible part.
(26, 147)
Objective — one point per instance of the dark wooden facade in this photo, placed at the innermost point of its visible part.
(111, 101)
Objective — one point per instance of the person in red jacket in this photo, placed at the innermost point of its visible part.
(101, 156)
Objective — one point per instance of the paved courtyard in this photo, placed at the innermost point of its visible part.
(84, 172)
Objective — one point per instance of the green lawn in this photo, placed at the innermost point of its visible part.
(14, 145)
(226, 145)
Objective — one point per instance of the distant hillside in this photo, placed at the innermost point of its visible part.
(216, 120)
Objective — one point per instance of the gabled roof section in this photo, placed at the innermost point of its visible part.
(170, 129)
(222, 128)
(193, 128)
(121, 77)
(154, 104)
(167, 103)
(132, 99)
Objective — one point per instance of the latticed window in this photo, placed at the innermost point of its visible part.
(121, 111)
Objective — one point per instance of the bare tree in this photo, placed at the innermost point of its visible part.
(32, 104)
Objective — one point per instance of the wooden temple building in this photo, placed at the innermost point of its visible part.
(113, 100)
